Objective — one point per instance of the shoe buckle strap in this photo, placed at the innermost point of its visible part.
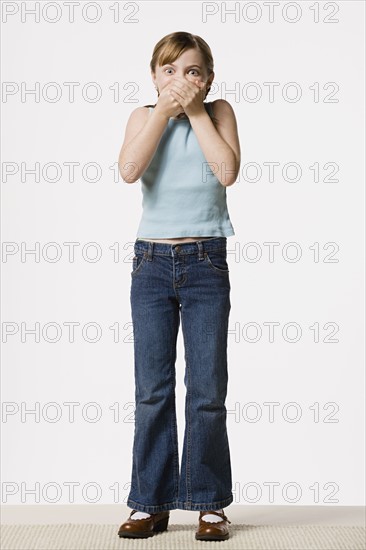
(220, 514)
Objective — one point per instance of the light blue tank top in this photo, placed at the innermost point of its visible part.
(181, 195)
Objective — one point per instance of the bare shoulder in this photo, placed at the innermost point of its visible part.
(138, 115)
(222, 110)
(226, 125)
(135, 123)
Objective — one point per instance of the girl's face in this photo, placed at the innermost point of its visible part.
(188, 65)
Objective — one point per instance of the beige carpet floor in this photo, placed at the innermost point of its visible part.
(181, 537)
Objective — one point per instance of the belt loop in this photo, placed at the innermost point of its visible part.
(150, 251)
(200, 250)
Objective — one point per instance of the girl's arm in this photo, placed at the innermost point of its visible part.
(219, 142)
(142, 136)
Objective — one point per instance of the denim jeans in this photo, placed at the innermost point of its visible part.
(169, 282)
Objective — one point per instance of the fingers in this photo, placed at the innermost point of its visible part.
(176, 96)
(184, 88)
(188, 84)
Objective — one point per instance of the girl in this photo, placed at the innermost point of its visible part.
(186, 152)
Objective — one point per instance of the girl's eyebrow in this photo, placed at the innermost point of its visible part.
(189, 66)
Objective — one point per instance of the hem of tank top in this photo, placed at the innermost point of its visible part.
(175, 238)
(230, 233)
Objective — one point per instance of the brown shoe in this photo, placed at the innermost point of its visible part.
(146, 527)
(212, 530)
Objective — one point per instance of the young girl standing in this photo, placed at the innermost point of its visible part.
(186, 153)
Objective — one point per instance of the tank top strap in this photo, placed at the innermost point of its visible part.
(209, 108)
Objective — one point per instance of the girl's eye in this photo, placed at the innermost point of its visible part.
(194, 70)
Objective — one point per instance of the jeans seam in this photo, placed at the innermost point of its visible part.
(174, 432)
(189, 442)
(188, 420)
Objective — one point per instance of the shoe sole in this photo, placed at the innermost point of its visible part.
(212, 537)
(159, 527)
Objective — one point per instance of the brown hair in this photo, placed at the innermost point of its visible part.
(171, 46)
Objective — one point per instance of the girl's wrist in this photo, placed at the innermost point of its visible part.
(198, 114)
(160, 114)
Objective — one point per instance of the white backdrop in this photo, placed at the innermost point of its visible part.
(295, 78)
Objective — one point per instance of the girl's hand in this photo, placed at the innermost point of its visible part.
(166, 104)
(190, 95)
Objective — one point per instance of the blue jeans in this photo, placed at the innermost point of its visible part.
(168, 281)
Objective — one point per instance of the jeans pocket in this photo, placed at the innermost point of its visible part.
(216, 260)
(137, 262)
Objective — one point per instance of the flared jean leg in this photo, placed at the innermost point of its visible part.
(155, 458)
(205, 478)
